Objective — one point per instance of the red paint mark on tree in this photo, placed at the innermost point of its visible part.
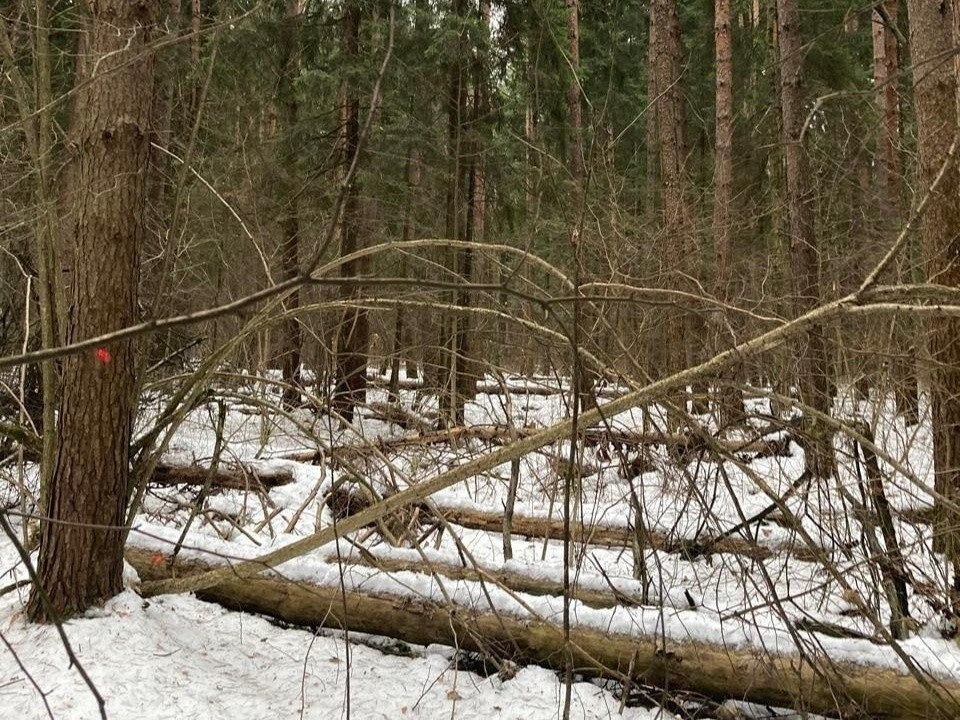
(103, 355)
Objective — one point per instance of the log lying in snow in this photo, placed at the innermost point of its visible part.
(545, 389)
(514, 581)
(345, 501)
(617, 536)
(494, 388)
(711, 670)
(234, 477)
(678, 443)
(393, 413)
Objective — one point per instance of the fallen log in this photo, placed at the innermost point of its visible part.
(619, 536)
(487, 387)
(346, 501)
(711, 670)
(514, 581)
(680, 444)
(393, 413)
(241, 476)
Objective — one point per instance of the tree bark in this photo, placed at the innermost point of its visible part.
(466, 371)
(81, 550)
(453, 331)
(935, 98)
(889, 185)
(584, 390)
(651, 124)
(290, 336)
(729, 398)
(353, 332)
(812, 366)
(413, 184)
(677, 222)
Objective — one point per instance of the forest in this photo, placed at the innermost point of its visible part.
(480, 359)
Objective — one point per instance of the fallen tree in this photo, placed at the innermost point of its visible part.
(711, 670)
(344, 502)
(609, 439)
(514, 581)
(240, 476)
(617, 536)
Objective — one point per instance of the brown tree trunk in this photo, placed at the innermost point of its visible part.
(466, 370)
(677, 226)
(353, 333)
(812, 353)
(195, 40)
(584, 390)
(889, 184)
(413, 185)
(458, 261)
(651, 133)
(935, 98)
(81, 550)
(729, 398)
(290, 338)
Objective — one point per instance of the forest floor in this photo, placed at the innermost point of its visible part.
(176, 656)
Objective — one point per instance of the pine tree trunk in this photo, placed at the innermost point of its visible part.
(289, 334)
(353, 332)
(413, 184)
(677, 226)
(584, 390)
(889, 185)
(467, 372)
(812, 362)
(729, 398)
(458, 375)
(935, 98)
(651, 135)
(81, 550)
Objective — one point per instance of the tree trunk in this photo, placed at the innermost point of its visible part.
(290, 337)
(453, 331)
(467, 372)
(413, 185)
(935, 98)
(677, 225)
(729, 398)
(47, 247)
(353, 332)
(81, 550)
(903, 374)
(583, 392)
(650, 126)
(812, 366)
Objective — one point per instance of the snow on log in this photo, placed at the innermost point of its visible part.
(618, 536)
(681, 444)
(712, 670)
(514, 581)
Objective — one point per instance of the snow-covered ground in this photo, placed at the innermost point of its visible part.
(179, 657)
